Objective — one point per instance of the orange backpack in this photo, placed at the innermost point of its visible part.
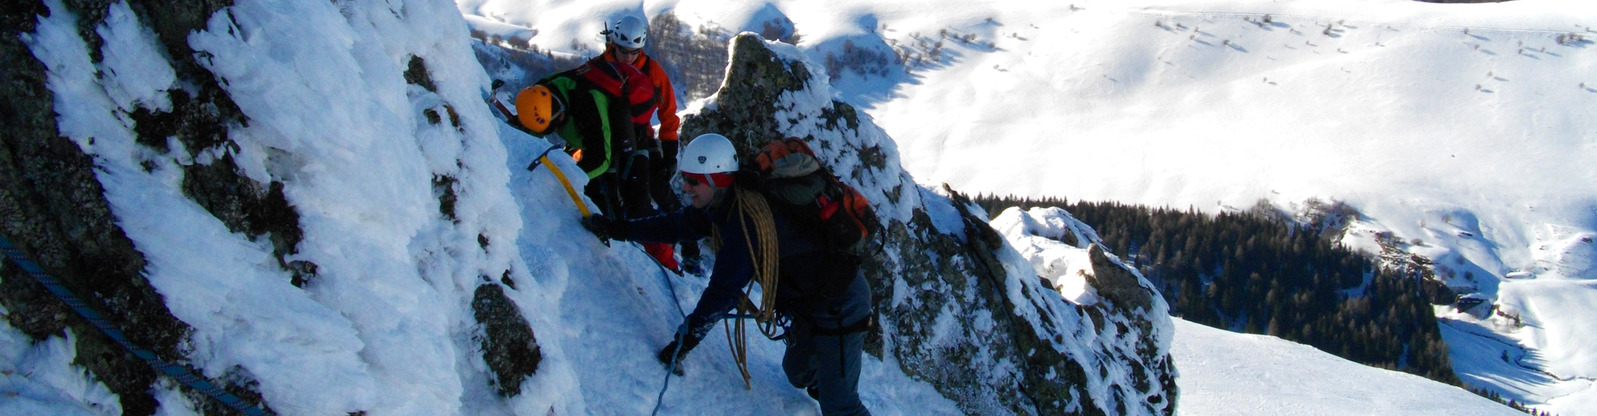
(791, 177)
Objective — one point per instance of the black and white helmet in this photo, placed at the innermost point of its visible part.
(628, 32)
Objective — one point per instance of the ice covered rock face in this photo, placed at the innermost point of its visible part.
(959, 307)
(54, 207)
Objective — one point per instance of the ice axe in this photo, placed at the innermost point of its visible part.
(543, 160)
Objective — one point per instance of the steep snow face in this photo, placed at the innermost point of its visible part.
(961, 309)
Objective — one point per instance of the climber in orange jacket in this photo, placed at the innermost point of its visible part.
(624, 42)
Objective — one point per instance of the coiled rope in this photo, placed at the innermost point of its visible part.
(755, 212)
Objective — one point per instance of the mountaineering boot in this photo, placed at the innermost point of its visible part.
(692, 263)
(671, 356)
(675, 366)
(664, 254)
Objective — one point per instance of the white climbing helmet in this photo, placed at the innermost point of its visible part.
(709, 153)
(628, 32)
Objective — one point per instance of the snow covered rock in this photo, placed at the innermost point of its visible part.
(961, 309)
(304, 202)
(52, 205)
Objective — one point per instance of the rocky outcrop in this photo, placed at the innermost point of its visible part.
(508, 344)
(960, 309)
(53, 208)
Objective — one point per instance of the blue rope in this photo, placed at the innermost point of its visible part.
(672, 366)
(180, 373)
(665, 274)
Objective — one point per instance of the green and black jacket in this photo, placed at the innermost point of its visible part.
(595, 122)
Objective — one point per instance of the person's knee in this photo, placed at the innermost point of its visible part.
(799, 371)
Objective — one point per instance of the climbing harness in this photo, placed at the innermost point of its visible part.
(180, 373)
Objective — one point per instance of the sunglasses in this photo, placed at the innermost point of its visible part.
(628, 51)
(695, 179)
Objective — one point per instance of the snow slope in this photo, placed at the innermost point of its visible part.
(1196, 112)
(1226, 373)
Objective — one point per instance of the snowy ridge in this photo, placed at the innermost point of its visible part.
(1056, 245)
(410, 195)
(1460, 130)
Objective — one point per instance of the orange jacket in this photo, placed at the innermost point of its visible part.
(665, 96)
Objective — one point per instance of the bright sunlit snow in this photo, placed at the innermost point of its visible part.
(1226, 373)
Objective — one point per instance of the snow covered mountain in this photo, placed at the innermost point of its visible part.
(309, 205)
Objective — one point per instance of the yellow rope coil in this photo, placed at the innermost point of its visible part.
(755, 213)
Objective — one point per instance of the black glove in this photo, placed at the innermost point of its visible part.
(673, 353)
(668, 153)
(650, 144)
(604, 228)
